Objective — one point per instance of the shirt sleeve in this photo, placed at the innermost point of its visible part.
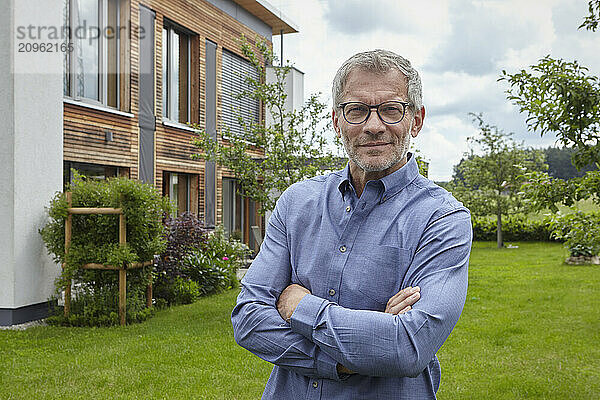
(257, 325)
(378, 344)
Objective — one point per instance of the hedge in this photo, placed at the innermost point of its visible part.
(514, 228)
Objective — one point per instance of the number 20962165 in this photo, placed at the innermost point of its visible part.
(26, 47)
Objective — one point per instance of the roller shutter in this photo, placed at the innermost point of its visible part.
(234, 71)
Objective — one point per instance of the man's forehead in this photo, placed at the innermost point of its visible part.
(366, 79)
(396, 72)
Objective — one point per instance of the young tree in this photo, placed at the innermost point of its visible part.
(561, 98)
(491, 181)
(295, 145)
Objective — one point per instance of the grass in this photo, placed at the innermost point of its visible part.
(185, 352)
(530, 329)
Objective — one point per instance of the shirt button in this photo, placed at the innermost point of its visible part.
(331, 292)
(315, 384)
(343, 249)
(348, 208)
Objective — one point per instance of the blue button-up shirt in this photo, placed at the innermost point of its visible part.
(353, 254)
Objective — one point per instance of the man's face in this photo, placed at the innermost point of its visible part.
(375, 146)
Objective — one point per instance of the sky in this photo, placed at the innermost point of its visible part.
(459, 47)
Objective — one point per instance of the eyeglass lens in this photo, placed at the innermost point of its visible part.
(390, 112)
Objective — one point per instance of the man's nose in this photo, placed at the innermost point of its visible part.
(374, 125)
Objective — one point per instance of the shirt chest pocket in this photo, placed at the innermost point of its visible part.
(380, 272)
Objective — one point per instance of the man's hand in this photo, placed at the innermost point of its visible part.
(289, 299)
(402, 301)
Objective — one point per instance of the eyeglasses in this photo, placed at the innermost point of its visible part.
(390, 112)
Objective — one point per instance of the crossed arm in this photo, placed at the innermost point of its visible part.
(323, 336)
(398, 304)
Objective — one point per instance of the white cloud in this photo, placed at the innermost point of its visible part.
(460, 48)
(442, 141)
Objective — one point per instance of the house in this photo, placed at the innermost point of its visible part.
(111, 94)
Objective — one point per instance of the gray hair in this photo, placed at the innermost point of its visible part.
(379, 61)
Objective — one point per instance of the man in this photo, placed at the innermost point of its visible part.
(363, 272)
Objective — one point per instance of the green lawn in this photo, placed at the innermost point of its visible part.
(530, 329)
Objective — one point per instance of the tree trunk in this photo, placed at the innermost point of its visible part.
(499, 232)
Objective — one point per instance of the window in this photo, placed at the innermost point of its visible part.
(178, 188)
(234, 72)
(232, 208)
(176, 51)
(91, 171)
(92, 68)
(239, 213)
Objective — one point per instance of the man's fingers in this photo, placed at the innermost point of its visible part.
(402, 293)
(405, 309)
(404, 298)
(288, 300)
(409, 301)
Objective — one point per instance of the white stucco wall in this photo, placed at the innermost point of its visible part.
(6, 164)
(31, 151)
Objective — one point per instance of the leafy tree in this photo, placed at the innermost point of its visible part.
(591, 21)
(294, 145)
(560, 97)
(490, 182)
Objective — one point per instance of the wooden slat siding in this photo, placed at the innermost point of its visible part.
(84, 136)
(125, 58)
(173, 145)
(176, 144)
(84, 128)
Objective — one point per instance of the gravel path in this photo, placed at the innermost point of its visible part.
(24, 326)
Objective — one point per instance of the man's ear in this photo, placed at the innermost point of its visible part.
(419, 117)
(335, 120)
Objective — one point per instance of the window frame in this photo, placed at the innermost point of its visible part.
(173, 31)
(172, 189)
(103, 48)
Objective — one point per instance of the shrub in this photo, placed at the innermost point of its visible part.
(210, 259)
(95, 238)
(514, 228)
(186, 291)
(184, 235)
(580, 232)
(210, 273)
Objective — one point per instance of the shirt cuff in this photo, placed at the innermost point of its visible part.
(305, 315)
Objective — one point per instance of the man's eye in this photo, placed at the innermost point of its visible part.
(390, 109)
(355, 109)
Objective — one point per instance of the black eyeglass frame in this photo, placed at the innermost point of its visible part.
(376, 107)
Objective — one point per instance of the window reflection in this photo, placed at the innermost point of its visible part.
(87, 60)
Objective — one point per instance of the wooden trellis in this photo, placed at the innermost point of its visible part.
(122, 271)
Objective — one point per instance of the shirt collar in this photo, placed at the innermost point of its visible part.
(392, 183)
